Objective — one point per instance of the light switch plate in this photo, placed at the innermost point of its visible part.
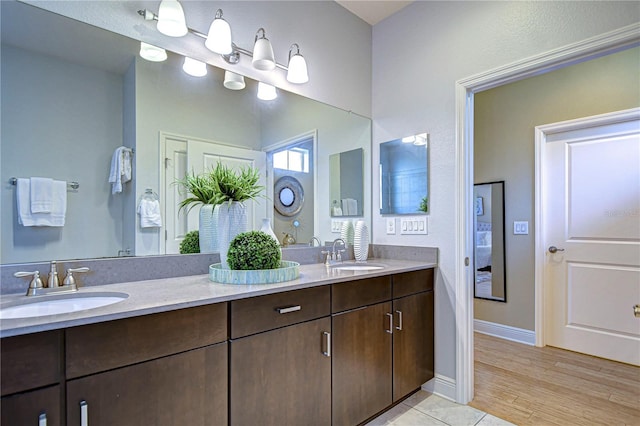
(413, 225)
(336, 226)
(521, 228)
(391, 226)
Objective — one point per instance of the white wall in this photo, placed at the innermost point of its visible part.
(335, 43)
(75, 111)
(419, 53)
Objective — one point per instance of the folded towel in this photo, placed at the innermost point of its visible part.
(120, 168)
(57, 215)
(41, 198)
(350, 206)
(149, 211)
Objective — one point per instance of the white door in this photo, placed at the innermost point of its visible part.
(184, 155)
(590, 230)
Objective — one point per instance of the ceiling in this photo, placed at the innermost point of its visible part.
(373, 12)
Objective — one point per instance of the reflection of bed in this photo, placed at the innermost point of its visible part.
(483, 258)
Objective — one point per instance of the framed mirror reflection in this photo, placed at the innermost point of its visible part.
(489, 242)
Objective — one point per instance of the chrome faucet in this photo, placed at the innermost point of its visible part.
(37, 287)
(334, 256)
(313, 240)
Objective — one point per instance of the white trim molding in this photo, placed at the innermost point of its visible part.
(506, 332)
(442, 386)
(604, 44)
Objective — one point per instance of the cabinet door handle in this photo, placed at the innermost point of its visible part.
(42, 419)
(327, 343)
(390, 316)
(288, 309)
(84, 413)
(399, 327)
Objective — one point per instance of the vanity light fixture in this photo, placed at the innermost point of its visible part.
(297, 72)
(219, 36)
(171, 20)
(152, 53)
(266, 92)
(263, 58)
(194, 67)
(233, 81)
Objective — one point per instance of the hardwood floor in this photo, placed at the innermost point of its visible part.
(526, 385)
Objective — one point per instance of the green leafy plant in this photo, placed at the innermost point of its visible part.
(424, 205)
(201, 188)
(230, 185)
(254, 250)
(190, 243)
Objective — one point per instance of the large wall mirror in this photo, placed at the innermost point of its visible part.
(72, 93)
(404, 183)
(489, 239)
(346, 183)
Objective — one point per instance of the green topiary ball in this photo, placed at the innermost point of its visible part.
(254, 250)
(191, 243)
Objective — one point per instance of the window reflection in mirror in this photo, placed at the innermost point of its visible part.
(346, 186)
(489, 237)
(404, 186)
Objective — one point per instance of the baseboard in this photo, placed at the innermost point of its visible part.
(506, 332)
(442, 386)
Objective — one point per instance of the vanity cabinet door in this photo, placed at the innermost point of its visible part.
(40, 407)
(184, 389)
(362, 363)
(413, 349)
(282, 377)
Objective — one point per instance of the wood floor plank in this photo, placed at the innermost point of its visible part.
(549, 386)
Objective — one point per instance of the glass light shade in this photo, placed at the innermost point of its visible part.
(297, 70)
(233, 81)
(263, 57)
(171, 20)
(194, 67)
(421, 139)
(219, 37)
(408, 139)
(152, 53)
(266, 92)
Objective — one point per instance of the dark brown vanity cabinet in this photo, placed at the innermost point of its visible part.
(161, 369)
(31, 370)
(382, 342)
(280, 365)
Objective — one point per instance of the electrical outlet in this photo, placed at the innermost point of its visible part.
(391, 226)
(520, 228)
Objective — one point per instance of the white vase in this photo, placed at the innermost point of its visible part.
(232, 220)
(361, 241)
(347, 231)
(208, 228)
(266, 228)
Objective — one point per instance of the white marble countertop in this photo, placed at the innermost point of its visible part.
(161, 295)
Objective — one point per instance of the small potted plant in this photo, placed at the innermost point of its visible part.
(254, 250)
(190, 243)
(201, 190)
(424, 205)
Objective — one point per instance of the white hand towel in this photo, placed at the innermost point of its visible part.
(57, 215)
(120, 168)
(41, 194)
(149, 211)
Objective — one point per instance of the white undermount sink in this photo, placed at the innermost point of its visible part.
(358, 266)
(39, 306)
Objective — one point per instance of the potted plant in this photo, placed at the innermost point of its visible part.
(232, 188)
(254, 250)
(201, 190)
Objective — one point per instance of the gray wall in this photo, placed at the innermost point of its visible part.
(418, 55)
(505, 118)
(77, 110)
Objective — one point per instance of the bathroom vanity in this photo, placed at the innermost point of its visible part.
(332, 347)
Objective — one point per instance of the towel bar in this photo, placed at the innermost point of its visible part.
(73, 185)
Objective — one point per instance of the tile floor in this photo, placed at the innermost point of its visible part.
(425, 409)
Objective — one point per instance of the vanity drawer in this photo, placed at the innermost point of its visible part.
(104, 346)
(30, 361)
(354, 294)
(412, 282)
(262, 313)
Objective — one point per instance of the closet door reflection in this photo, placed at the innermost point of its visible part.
(489, 237)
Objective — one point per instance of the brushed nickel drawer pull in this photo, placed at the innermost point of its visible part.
(327, 343)
(42, 419)
(84, 413)
(399, 327)
(288, 309)
(390, 330)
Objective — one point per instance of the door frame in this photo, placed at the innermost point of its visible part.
(541, 134)
(591, 48)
